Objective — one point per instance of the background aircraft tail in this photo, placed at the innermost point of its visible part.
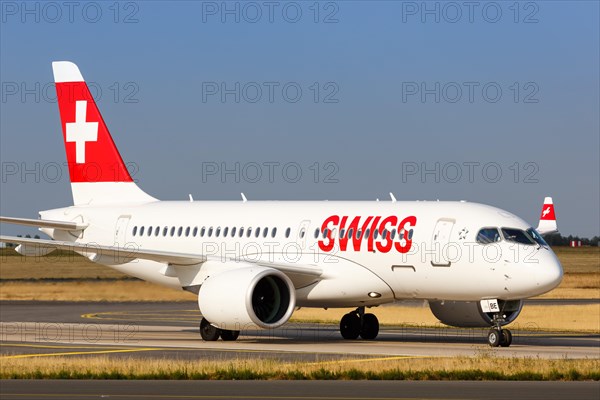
(97, 171)
(547, 218)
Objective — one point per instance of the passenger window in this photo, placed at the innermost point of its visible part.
(249, 232)
(134, 230)
(342, 233)
(195, 233)
(302, 233)
(265, 232)
(210, 231)
(202, 231)
(410, 234)
(241, 232)
(150, 230)
(180, 231)
(142, 231)
(325, 232)
(273, 232)
(367, 233)
(187, 231)
(358, 234)
(316, 233)
(225, 231)
(218, 231)
(517, 236)
(375, 234)
(287, 232)
(393, 234)
(350, 233)
(156, 231)
(233, 231)
(172, 231)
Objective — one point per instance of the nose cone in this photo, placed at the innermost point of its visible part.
(549, 271)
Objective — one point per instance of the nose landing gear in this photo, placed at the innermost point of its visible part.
(498, 336)
(357, 323)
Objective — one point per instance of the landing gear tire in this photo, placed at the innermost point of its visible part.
(370, 327)
(229, 336)
(208, 332)
(350, 326)
(494, 337)
(506, 338)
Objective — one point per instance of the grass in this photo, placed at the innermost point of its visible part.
(484, 367)
(91, 291)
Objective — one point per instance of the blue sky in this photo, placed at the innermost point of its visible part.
(339, 100)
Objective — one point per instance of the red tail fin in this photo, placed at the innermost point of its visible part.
(92, 155)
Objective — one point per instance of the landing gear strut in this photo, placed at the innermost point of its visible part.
(357, 323)
(211, 333)
(498, 336)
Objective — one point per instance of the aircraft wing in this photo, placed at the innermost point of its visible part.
(41, 223)
(121, 255)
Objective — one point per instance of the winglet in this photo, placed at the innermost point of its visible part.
(547, 218)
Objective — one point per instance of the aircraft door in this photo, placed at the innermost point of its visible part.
(121, 230)
(440, 241)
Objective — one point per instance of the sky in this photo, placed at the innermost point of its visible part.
(490, 102)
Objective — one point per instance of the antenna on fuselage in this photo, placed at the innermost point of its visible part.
(244, 199)
(191, 198)
(393, 197)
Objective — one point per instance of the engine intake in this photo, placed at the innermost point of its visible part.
(247, 297)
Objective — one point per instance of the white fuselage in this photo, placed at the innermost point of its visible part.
(444, 261)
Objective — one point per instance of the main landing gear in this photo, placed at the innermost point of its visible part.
(357, 323)
(498, 336)
(211, 333)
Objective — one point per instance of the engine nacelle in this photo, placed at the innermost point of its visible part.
(247, 297)
(468, 314)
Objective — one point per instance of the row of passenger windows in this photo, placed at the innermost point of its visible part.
(258, 232)
(205, 231)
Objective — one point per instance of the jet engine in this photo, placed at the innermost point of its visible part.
(469, 314)
(247, 297)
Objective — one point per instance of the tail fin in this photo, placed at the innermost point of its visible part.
(547, 218)
(98, 174)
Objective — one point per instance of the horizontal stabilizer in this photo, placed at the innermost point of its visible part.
(41, 223)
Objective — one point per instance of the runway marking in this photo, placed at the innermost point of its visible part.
(165, 396)
(74, 353)
(56, 346)
(367, 359)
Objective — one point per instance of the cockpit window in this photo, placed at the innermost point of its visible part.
(517, 236)
(535, 235)
(488, 235)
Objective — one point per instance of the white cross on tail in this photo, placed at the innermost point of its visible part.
(81, 131)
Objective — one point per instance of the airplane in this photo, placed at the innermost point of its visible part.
(252, 263)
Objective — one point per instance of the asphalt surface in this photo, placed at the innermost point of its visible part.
(38, 329)
(84, 390)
